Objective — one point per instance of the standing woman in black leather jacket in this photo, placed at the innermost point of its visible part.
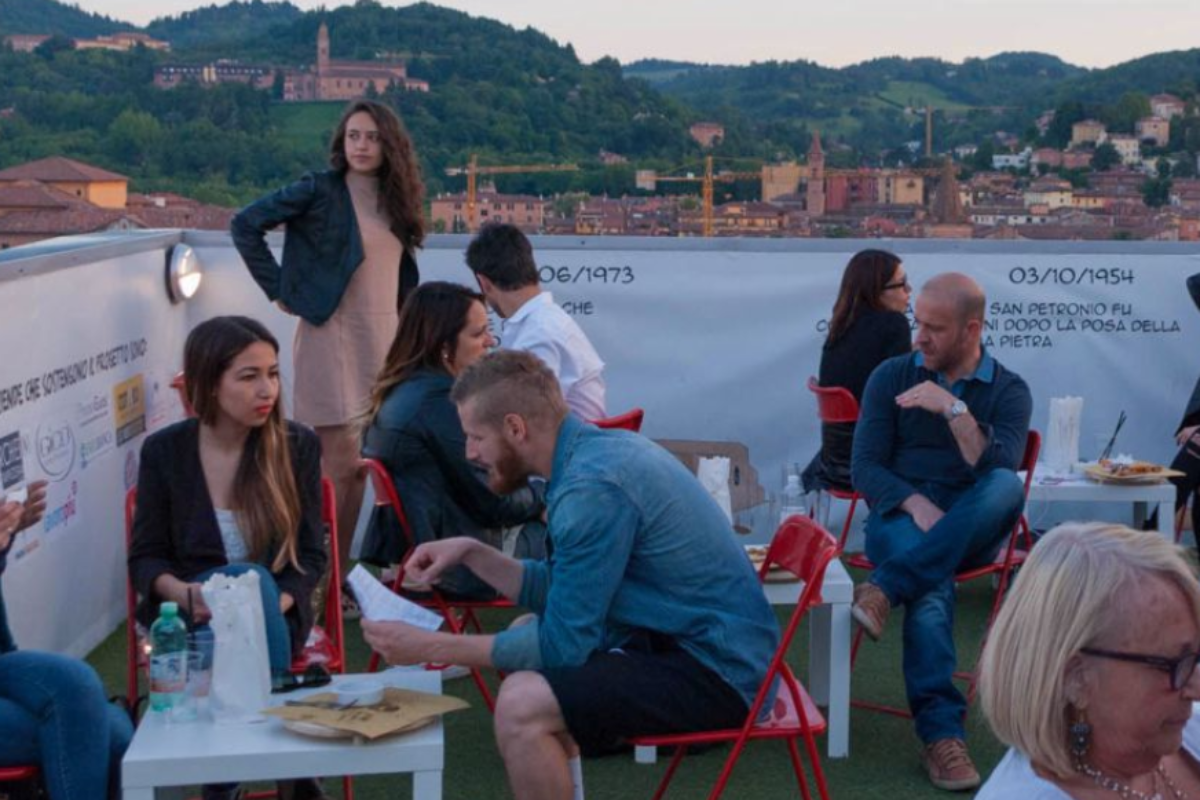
(347, 266)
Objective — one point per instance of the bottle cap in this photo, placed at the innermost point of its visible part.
(169, 609)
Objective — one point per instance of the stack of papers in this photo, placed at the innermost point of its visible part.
(380, 604)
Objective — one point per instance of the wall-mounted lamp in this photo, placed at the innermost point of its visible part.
(183, 273)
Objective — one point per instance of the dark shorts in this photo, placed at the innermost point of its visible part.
(649, 686)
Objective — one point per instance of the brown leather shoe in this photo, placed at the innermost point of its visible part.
(949, 765)
(870, 609)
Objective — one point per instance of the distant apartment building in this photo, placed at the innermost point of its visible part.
(1128, 147)
(1156, 130)
(707, 134)
(781, 179)
(1167, 106)
(449, 212)
(1012, 160)
(1066, 159)
(168, 76)
(1050, 193)
(844, 191)
(897, 188)
(1088, 131)
(27, 43)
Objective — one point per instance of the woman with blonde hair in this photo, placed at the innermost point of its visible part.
(1089, 673)
(348, 264)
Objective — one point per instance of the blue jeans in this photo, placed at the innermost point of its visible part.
(279, 639)
(916, 569)
(53, 713)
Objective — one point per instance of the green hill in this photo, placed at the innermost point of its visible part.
(226, 25)
(51, 17)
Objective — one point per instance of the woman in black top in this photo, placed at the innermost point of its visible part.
(1187, 436)
(414, 429)
(868, 326)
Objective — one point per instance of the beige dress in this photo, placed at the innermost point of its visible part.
(336, 363)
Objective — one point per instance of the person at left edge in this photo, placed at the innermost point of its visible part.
(52, 708)
(348, 264)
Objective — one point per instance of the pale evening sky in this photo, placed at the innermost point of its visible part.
(1091, 33)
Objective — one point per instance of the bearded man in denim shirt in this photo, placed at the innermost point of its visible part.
(648, 616)
(939, 437)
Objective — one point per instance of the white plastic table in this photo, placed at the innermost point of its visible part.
(828, 654)
(166, 756)
(1075, 488)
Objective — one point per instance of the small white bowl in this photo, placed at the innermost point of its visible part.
(360, 693)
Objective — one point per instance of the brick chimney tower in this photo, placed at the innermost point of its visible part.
(814, 194)
(322, 50)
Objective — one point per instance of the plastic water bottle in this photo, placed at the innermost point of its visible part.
(168, 659)
(793, 499)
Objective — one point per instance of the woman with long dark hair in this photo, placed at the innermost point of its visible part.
(235, 490)
(348, 263)
(414, 429)
(868, 326)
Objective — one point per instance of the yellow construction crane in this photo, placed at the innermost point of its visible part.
(706, 181)
(473, 169)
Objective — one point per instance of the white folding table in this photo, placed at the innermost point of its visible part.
(167, 756)
(1075, 488)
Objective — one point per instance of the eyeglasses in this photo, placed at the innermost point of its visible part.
(904, 284)
(1180, 669)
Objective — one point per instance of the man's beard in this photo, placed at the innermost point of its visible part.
(508, 474)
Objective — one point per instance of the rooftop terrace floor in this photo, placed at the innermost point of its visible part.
(883, 761)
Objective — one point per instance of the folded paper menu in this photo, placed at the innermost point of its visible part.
(400, 710)
(380, 604)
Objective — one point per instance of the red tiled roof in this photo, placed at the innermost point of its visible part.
(59, 169)
(29, 195)
(60, 223)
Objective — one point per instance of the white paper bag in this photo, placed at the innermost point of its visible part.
(1062, 434)
(241, 680)
(713, 473)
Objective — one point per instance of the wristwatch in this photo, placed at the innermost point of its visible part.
(955, 410)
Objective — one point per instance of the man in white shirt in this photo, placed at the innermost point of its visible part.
(502, 260)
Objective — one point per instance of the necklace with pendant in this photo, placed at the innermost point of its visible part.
(1127, 792)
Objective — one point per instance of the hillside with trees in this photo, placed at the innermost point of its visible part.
(50, 16)
(515, 96)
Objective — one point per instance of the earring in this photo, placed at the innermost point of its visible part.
(1081, 736)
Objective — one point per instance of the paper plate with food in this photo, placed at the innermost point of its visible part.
(776, 574)
(1125, 469)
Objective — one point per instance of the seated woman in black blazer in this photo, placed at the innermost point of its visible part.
(414, 430)
(235, 490)
(867, 327)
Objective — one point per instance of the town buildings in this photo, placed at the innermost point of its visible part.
(60, 196)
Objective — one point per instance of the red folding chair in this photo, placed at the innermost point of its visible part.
(803, 548)
(1000, 568)
(629, 421)
(458, 614)
(180, 386)
(837, 405)
(326, 645)
(19, 775)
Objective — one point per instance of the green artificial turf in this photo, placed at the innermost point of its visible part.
(883, 749)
